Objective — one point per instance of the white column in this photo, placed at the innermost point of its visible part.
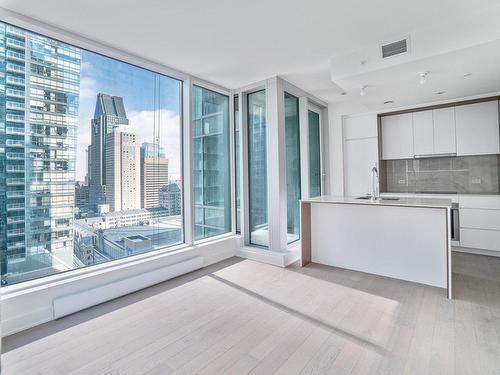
(276, 164)
(187, 163)
(304, 147)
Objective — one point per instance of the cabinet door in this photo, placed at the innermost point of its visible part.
(423, 133)
(397, 136)
(477, 128)
(444, 131)
(360, 156)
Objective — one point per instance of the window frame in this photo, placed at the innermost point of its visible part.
(228, 93)
(186, 82)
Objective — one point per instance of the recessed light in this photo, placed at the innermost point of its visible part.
(467, 75)
(362, 90)
(440, 92)
(343, 93)
(389, 102)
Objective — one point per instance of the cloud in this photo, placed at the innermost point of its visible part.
(88, 88)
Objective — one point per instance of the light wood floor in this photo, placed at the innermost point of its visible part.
(243, 317)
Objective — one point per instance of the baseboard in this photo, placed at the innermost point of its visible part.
(470, 250)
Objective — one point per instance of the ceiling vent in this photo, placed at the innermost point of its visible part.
(394, 48)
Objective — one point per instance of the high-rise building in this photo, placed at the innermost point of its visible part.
(154, 174)
(39, 89)
(109, 113)
(81, 195)
(122, 163)
(171, 199)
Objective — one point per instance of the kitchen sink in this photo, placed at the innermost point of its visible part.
(380, 198)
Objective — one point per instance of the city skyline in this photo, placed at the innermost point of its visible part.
(148, 98)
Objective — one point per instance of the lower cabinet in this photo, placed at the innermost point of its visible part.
(480, 222)
(480, 239)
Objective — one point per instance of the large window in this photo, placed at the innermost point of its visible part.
(314, 155)
(237, 162)
(211, 184)
(90, 163)
(257, 169)
(292, 146)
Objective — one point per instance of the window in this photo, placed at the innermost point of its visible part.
(91, 168)
(211, 186)
(257, 169)
(314, 155)
(237, 161)
(292, 146)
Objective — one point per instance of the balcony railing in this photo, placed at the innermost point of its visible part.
(10, 30)
(14, 155)
(15, 43)
(14, 118)
(15, 207)
(13, 93)
(11, 80)
(15, 168)
(15, 181)
(14, 143)
(15, 194)
(15, 220)
(14, 130)
(15, 232)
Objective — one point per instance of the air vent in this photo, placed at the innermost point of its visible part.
(395, 48)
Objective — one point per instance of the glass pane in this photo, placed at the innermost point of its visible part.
(87, 143)
(237, 156)
(292, 145)
(314, 155)
(257, 168)
(211, 187)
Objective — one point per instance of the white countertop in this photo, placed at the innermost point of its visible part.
(400, 202)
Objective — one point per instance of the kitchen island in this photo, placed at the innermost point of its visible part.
(402, 238)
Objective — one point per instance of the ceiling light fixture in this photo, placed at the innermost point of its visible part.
(440, 92)
(343, 93)
(423, 77)
(467, 75)
(389, 102)
(362, 90)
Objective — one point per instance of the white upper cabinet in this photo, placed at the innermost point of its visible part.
(397, 136)
(444, 131)
(423, 133)
(477, 128)
(434, 132)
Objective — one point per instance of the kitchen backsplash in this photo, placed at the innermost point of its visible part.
(457, 174)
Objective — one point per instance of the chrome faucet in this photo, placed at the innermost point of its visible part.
(375, 194)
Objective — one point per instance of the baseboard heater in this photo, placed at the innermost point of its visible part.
(79, 301)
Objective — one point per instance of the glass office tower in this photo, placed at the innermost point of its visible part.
(39, 91)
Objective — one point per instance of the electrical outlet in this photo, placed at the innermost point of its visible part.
(476, 180)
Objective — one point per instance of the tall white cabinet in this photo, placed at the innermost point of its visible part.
(360, 152)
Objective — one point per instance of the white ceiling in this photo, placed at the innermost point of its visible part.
(316, 44)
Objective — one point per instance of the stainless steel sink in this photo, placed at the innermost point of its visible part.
(380, 198)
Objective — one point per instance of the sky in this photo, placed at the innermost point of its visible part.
(100, 74)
